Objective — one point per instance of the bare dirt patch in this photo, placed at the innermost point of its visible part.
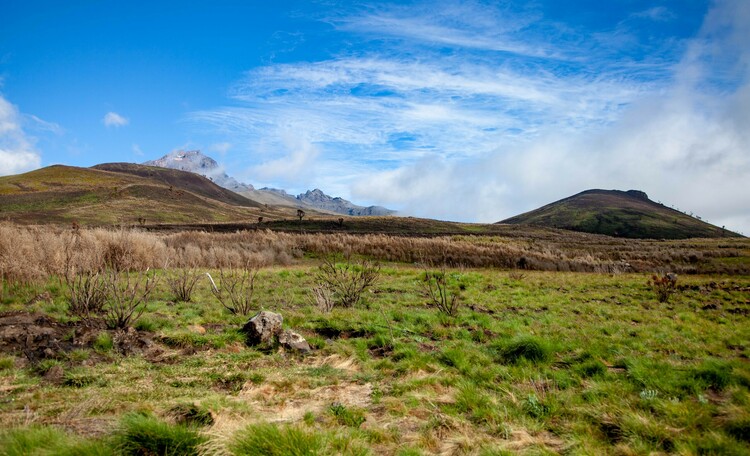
(37, 336)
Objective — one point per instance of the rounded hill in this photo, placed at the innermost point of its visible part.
(628, 214)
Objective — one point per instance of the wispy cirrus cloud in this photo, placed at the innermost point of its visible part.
(478, 111)
(114, 120)
(17, 151)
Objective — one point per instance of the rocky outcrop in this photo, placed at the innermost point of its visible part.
(316, 198)
(265, 329)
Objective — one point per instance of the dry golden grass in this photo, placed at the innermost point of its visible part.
(33, 253)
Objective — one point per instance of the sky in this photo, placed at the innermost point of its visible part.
(457, 110)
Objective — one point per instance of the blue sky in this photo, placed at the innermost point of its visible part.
(460, 110)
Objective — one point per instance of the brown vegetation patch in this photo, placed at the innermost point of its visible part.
(37, 336)
(32, 334)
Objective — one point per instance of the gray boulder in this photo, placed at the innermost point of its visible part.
(263, 328)
(293, 341)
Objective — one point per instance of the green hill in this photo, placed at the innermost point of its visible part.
(617, 213)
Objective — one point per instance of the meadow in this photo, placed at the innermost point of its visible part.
(550, 343)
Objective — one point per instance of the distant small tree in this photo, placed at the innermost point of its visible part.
(341, 221)
(300, 214)
(664, 286)
(260, 220)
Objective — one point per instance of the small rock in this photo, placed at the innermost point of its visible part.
(263, 327)
(291, 340)
(198, 329)
(55, 375)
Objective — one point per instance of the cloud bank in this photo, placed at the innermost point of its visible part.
(17, 151)
(478, 112)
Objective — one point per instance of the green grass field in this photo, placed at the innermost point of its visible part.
(533, 363)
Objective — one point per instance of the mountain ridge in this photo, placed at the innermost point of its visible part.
(197, 162)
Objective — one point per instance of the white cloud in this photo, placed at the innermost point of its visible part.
(137, 150)
(296, 165)
(112, 119)
(17, 151)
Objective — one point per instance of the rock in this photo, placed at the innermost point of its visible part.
(293, 341)
(198, 329)
(55, 375)
(263, 328)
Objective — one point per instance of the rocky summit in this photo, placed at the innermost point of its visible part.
(195, 162)
(320, 200)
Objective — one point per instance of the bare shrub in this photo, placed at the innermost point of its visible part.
(346, 280)
(88, 294)
(236, 289)
(127, 294)
(442, 294)
(664, 286)
(182, 282)
(322, 297)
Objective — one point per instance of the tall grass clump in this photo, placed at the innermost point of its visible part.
(270, 440)
(146, 435)
(524, 348)
(39, 440)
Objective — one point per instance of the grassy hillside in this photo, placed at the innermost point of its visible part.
(186, 181)
(616, 213)
(122, 194)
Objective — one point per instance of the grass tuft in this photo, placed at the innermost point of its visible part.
(525, 348)
(270, 440)
(146, 435)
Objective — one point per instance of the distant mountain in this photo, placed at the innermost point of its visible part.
(195, 161)
(320, 200)
(198, 163)
(629, 214)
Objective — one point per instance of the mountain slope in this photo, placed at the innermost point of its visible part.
(617, 213)
(123, 194)
(188, 181)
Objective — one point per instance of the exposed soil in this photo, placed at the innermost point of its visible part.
(38, 337)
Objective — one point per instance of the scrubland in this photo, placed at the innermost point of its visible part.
(558, 345)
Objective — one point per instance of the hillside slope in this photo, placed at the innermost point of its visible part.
(123, 194)
(618, 213)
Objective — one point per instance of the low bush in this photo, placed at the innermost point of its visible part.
(346, 280)
(235, 290)
(441, 292)
(664, 286)
(182, 282)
